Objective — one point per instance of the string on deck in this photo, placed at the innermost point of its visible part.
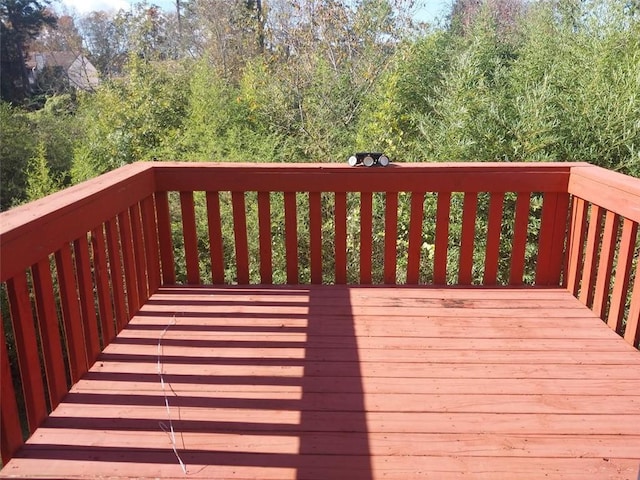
(163, 426)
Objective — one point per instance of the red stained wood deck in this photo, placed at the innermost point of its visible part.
(351, 382)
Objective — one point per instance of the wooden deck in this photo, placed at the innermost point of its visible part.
(340, 382)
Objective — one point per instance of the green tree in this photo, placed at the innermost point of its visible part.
(137, 117)
(40, 180)
(16, 147)
(20, 21)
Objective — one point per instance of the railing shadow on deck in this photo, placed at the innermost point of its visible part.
(332, 436)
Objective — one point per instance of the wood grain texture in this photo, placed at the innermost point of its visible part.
(216, 248)
(315, 236)
(390, 237)
(415, 238)
(87, 300)
(494, 229)
(48, 324)
(190, 236)
(366, 237)
(10, 429)
(442, 238)
(520, 230)
(340, 239)
(240, 237)
(291, 236)
(30, 232)
(164, 238)
(363, 382)
(27, 350)
(71, 316)
(264, 225)
(117, 274)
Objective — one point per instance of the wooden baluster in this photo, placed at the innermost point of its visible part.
(576, 245)
(139, 253)
(366, 239)
(240, 235)
(632, 329)
(190, 236)
(126, 244)
(264, 227)
(442, 238)
(216, 250)
(49, 331)
(591, 256)
(151, 249)
(622, 276)
(71, 316)
(103, 290)
(27, 350)
(520, 231)
(315, 236)
(291, 237)
(117, 275)
(605, 267)
(165, 240)
(10, 430)
(340, 241)
(468, 238)
(390, 237)
(494, 230)
(87, 301)
(415, 237)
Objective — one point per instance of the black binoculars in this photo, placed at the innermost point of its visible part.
(368, 159)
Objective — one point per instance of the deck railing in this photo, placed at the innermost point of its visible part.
(77, 265)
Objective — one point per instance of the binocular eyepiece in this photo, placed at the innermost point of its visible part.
(368, 159)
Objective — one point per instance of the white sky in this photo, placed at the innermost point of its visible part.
(428, 11)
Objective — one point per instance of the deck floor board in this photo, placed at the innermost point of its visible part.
(335, 382)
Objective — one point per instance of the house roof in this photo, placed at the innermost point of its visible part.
(51, 59)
